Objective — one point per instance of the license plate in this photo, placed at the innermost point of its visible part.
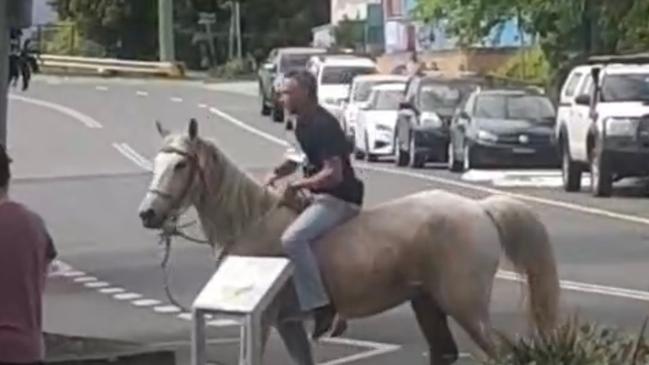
(523, 150)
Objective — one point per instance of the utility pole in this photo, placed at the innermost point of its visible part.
(4, 71)
(209, 19)
(166, 30)
(238, 15)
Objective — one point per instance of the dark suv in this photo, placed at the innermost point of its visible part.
(280, 61)
(424, 117)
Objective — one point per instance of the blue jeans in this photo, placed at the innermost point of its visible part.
(325, 213)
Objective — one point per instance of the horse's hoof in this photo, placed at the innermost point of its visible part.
(340, 326)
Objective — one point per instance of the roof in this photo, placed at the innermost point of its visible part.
(510, 91)
(301, 50)
(637, 58)
(390, 87)
(380, 77)
(348, 61)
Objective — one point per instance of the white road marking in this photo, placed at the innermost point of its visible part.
(76, 115)
(176, 99)
(250, 129)
(132, 155)
(520, 178)
(185, 316)
(211, 341)
(377, 349)
(85, 279)
(202, 106)
(73, 274)
(111, 290)
(167, 309)
(145, 302)
(141, 93)
(504, 275)
(101, 88)
(127, 296)
(96, 284)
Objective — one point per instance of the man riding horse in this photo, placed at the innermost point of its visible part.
(329, 175)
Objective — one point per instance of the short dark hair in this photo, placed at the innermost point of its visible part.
(306, 80)
(5, 171)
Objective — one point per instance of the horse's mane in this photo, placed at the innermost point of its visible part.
(232, 199)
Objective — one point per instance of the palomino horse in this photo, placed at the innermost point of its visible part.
(437, 250)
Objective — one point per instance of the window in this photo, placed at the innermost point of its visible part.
(363, 89)
(571, 85)
(625, 87)
(440, 96)
(342, 75)
(387, 99)
(293, 62)
(529, 107)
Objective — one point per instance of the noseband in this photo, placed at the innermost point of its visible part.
(176, 202)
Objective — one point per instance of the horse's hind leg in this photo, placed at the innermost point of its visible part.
(434, 324)
(297, 342)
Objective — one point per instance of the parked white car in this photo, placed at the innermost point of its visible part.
(603, 122)
(359, 95)
(335, 74)
(376, 122)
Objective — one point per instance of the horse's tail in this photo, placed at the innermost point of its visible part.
(526, 243)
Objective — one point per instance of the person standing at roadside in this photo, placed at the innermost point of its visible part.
(26, 250)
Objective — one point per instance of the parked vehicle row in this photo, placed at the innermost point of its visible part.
(601, 124)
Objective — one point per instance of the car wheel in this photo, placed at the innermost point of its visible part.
(469, 159)
(401, 157)
(369, 157)
(453, 164)
(265, 110)
(570, 172)
(600, 175)
(416, 159)
(358, 154)
(278, 114)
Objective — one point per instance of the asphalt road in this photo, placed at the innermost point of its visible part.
(81, 148)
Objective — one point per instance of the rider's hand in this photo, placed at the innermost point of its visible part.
(270, 179)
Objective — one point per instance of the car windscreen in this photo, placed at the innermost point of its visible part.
(434, 97)
(387, 99)
(293, 62)
(625, 87)
(343, 75)
(529, 107)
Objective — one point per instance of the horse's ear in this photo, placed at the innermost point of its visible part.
(161, 130)
(193, 129)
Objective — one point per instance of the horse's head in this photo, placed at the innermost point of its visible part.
(177, 175)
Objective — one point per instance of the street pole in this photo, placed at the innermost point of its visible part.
(4, 71)
(166, 30)
(238, 15)
(231, 33)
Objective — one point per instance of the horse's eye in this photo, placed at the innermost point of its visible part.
(181, 165)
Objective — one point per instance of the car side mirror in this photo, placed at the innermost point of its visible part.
(583, 99)
(364, 106)
(405, 105)
(464, 116)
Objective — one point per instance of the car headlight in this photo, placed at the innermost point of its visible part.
(622, 127)
(487, 136)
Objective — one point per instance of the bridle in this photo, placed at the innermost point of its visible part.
(195, 169)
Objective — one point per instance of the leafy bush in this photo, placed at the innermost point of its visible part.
(233, 69)
(529, 65)
(575, 344)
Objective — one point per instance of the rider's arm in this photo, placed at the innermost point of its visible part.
(330, 176)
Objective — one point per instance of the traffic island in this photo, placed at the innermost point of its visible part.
(70, 350)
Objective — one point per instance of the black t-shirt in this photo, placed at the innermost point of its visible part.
(322, 138)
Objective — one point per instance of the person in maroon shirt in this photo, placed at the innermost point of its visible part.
(26, 251)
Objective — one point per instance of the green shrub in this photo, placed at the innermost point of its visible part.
(233, 69)
(529, 65)
(575, 344)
